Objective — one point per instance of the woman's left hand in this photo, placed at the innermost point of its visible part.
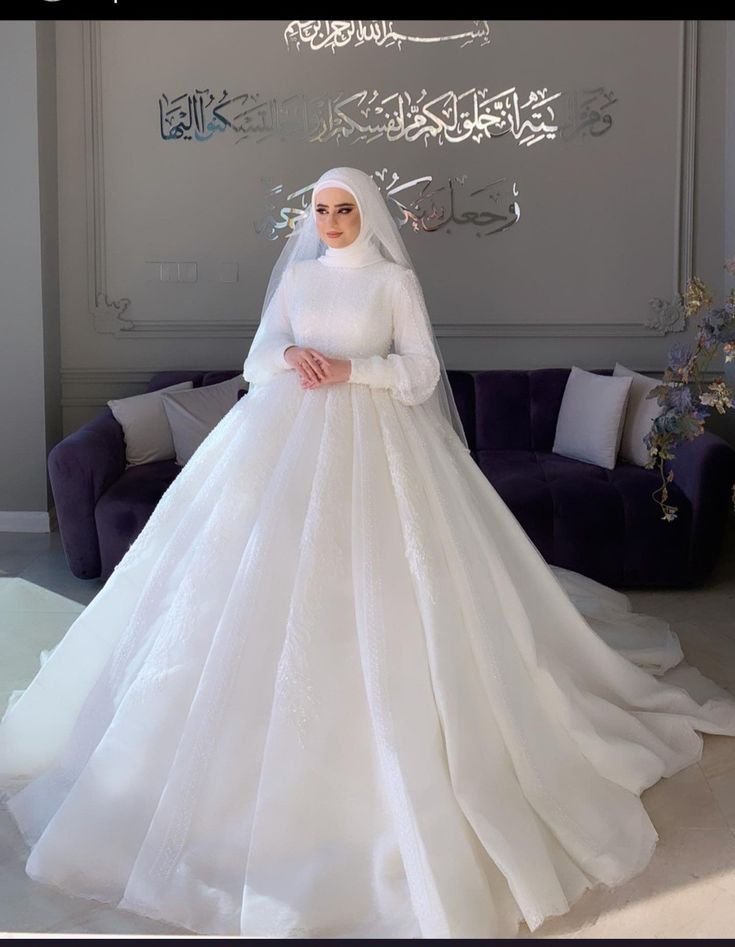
(335, 370)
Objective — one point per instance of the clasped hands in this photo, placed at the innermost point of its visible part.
(316, 369)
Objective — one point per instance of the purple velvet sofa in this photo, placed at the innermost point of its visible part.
(599, 522)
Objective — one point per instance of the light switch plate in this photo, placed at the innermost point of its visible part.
(188, 272)
(227, 272)
(169, 272)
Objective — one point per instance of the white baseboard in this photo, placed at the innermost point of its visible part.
(28, 521)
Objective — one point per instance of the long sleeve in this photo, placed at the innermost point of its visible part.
(412, 373)
(272, 338)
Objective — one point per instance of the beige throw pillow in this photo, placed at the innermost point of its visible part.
(145, 425)
(640, 414)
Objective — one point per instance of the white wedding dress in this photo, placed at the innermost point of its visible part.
(333, 689)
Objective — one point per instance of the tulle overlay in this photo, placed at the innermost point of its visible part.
(333, 689)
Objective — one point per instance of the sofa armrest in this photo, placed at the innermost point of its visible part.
(704, 469)
(81, 467)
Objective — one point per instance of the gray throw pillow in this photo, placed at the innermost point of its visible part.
(193, 414)
(591, 416)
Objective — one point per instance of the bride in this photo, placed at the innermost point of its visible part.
(333, 689)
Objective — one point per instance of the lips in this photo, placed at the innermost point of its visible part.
(333, 233)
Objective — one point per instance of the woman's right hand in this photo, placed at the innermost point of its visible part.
(309, 363)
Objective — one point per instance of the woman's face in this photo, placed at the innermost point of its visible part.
(337, 216)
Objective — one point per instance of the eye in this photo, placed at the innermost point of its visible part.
(345, 210)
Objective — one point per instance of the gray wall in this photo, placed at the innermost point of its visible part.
(30, 389)
(49, 231)
(568, 284)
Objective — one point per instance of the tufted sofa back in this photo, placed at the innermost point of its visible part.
(510, 409)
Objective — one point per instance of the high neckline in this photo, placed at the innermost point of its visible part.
(354, 255)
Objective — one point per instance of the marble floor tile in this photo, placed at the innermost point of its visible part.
(27, 906)
(58, 578)
(683, 801)
(13, 563)
(23, 636)
(110, 920)
(12, 543)
(723, 790)
(718, 756)
(19, 594)
(687, 890)
(40, 558)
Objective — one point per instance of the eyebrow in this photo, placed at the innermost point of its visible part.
(345, 204)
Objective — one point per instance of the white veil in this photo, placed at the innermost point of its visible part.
(377, 226)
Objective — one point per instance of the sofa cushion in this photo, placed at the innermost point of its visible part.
(517, 409)
(591, 417)
(576, 513)
(639, 415)
(145, 426)
(462, 384)
(193, 414)
(124, 508)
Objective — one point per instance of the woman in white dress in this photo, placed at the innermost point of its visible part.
(333, 689)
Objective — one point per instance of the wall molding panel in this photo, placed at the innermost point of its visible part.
(114, 316)
(107, 314)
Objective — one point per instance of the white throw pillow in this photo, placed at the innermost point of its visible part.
(145, 426)
(591, 416)
(192, 415)
(640, 414)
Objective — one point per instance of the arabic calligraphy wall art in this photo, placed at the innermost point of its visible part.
(317, 35)
(475, 115)
(420, 203)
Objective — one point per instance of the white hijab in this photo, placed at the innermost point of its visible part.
(363, 250)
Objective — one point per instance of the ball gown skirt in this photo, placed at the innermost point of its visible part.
(333, 689)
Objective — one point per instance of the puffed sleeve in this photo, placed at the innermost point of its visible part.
(272, 337)
(412, 373)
